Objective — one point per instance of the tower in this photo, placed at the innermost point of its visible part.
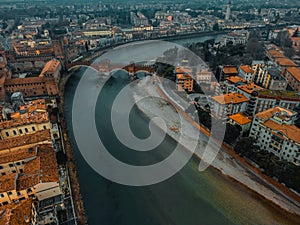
(228, 10)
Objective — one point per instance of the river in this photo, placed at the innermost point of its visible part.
(187, 198)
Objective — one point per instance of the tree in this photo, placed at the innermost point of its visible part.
(246, 146)
(216, 27)
(232, 133)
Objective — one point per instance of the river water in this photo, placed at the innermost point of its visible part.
(188, 198)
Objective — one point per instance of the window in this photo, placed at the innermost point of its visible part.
(20, 131)
(2, 195)
(19, 193)
(9, 193)
(11, 165)
(3, 174)
(7, 134)
(45, 128)
(33, 128)
(26, 130)
(1, 167)
(18, 163)
(15, 132)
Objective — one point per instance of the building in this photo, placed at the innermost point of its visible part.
(4, 74)
(292, 75)
(275, 132)
(184, 79)
(262, 100)
(270, 78)
(284, 63)
(41, 168)
(228, 11)
(204, 77)
(227, 104)
(235, 38)
(16, 214)
(52, 69)
(28, 119)
(296, 43)
(225, 72)
(242, 120)
(246, 72)
(231, 83)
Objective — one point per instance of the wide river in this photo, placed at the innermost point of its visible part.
(187, 198)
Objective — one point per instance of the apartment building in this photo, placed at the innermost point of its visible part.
(274, 131)
(292, 75)
(227, 104)
(262, 100)
(184, 79)
(246, 72)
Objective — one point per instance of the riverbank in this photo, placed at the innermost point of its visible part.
(75, 188)
(226, 161)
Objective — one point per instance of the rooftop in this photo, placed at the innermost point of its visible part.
(17, 155)
(249, 88)
(32, 119)
(231, 98)
(240, 119)
(286, 130)
(37, 137)
(246, 69)
(236, 79)
(7, 182)
(42, 169)
(285, 95)
(230, 70)
(285, 62)
(276, 53)
(295, 72)
(50, 67)
(269, 113)
(183, 70)
(16, 214)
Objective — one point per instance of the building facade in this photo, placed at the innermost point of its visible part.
(275, 132)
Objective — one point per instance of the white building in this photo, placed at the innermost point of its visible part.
(274, 131)
(228, 104)
(246, 72)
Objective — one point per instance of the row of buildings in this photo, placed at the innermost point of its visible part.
(262, 98)
(34, 188)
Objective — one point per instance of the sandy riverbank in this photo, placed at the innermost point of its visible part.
(224, 161)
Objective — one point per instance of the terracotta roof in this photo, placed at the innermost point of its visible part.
(240, 119)
(276, 94)
(295, 72)
(182, 69)
(7, 182)
(230, 70)
(42, 169)
(236, 79)
(28, 80)
(33, 119)
(267, 114)
(233, 97)
(17, 155)
(285, 62)
(50, 67)
(289, 131)
(16, 214)
(246, 69)
(276, 54)
(250, 87)
(39, 136)
(184, 76)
